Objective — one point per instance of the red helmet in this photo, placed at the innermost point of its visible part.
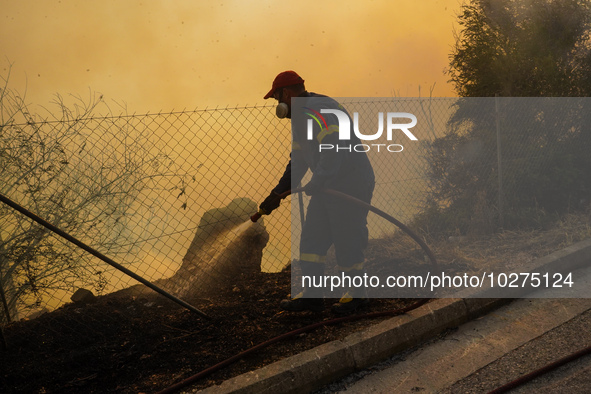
(286, 78)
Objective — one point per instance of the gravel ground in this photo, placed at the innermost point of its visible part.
(565, 339)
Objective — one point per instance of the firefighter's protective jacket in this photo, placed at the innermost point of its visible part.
(337, 166)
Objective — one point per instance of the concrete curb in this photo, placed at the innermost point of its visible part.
(317, 367)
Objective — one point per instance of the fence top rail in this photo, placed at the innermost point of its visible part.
(354, 100)
(147, 114)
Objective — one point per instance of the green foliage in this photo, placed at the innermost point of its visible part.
(515, 49)
(522, 49)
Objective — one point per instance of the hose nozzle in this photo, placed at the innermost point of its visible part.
(256, 217)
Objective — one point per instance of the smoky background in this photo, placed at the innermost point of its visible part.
(479, 165)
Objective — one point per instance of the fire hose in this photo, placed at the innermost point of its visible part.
(192, 379)
(363, 204)
(228, 361)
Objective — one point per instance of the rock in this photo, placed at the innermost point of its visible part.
(219, 220)
(226, 245)
(83, 296)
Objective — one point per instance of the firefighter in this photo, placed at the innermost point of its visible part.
(329, 220)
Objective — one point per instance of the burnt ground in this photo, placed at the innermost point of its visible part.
(129, 344)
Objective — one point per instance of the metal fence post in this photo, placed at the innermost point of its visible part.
(3, 345)
(499, 163)
(4, 303)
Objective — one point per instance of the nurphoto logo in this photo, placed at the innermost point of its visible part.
(344, 129)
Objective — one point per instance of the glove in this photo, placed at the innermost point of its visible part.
(313, 188)
(270, 204)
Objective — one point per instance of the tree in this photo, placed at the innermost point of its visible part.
(508, 49)
(522, 49)
(93, 177)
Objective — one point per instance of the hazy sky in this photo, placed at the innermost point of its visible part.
(175, 54)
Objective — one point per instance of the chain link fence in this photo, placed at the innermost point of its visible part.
(165, 194)
(509, 163)
(135, 188)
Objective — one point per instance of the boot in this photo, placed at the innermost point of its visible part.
(347, 304)
(353, 299)
(310, 299)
